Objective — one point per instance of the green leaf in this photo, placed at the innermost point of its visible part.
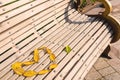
(68, 49)
(83, 3)
(93, 1)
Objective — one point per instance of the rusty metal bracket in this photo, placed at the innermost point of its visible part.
(113, 21)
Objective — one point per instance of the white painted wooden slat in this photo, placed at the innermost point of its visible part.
(50, 46)
(9, 74)
(59, 19)
(3, 2)
(40, 55)
(57, 1)
(25, 49)
(96, 57)
(89, 52)
(66, 27)
(60, 56)
(80, 72)
(8, 39)
(57, 51)
(20, 45)
(13, 6)
(46, 34)
(21, 76)
(57, 46)
(77, 57)
(12, 22)
(57, 32)
(83, 31)
(26, 33)
(18, 28)
(66, 58)
(29, 28)
(27, 40)
(20, 10)
(15, 20)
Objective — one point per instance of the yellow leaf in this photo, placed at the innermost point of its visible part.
(43, 72)
(17, 68)
(52, 57)
(19, 71)
(36, 55)
(29, 73)
(27, 63)
(52, 66)
(42, 48)
(16, 65)
(48, 51)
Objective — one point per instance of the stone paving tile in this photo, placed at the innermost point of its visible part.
(101, 63)
(92, 70)
(114, 53)
(115, 63)
(102, 79)
(93, 75)
(106, 71)
(110, 69)
(104, 65)
(113, 76)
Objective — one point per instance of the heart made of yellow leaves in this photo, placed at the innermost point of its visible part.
(17, 67)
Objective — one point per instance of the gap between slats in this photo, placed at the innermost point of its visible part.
(6, 37)
(87, 53)
(57, 42)
(16, 20)
(28, 51)
(29, 38)
(52, 74)
(96, 57)
(13, 6)
(16, 41)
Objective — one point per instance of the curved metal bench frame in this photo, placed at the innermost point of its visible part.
(115, 23)
(111, 19)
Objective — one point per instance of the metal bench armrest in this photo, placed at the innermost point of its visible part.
(113, 21)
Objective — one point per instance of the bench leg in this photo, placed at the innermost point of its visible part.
(105, 53)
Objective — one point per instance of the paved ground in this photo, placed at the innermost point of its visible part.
(108, 69)
(105, 69)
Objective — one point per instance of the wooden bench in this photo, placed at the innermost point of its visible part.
(29, 24)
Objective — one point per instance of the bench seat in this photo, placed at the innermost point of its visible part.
(55, 26)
